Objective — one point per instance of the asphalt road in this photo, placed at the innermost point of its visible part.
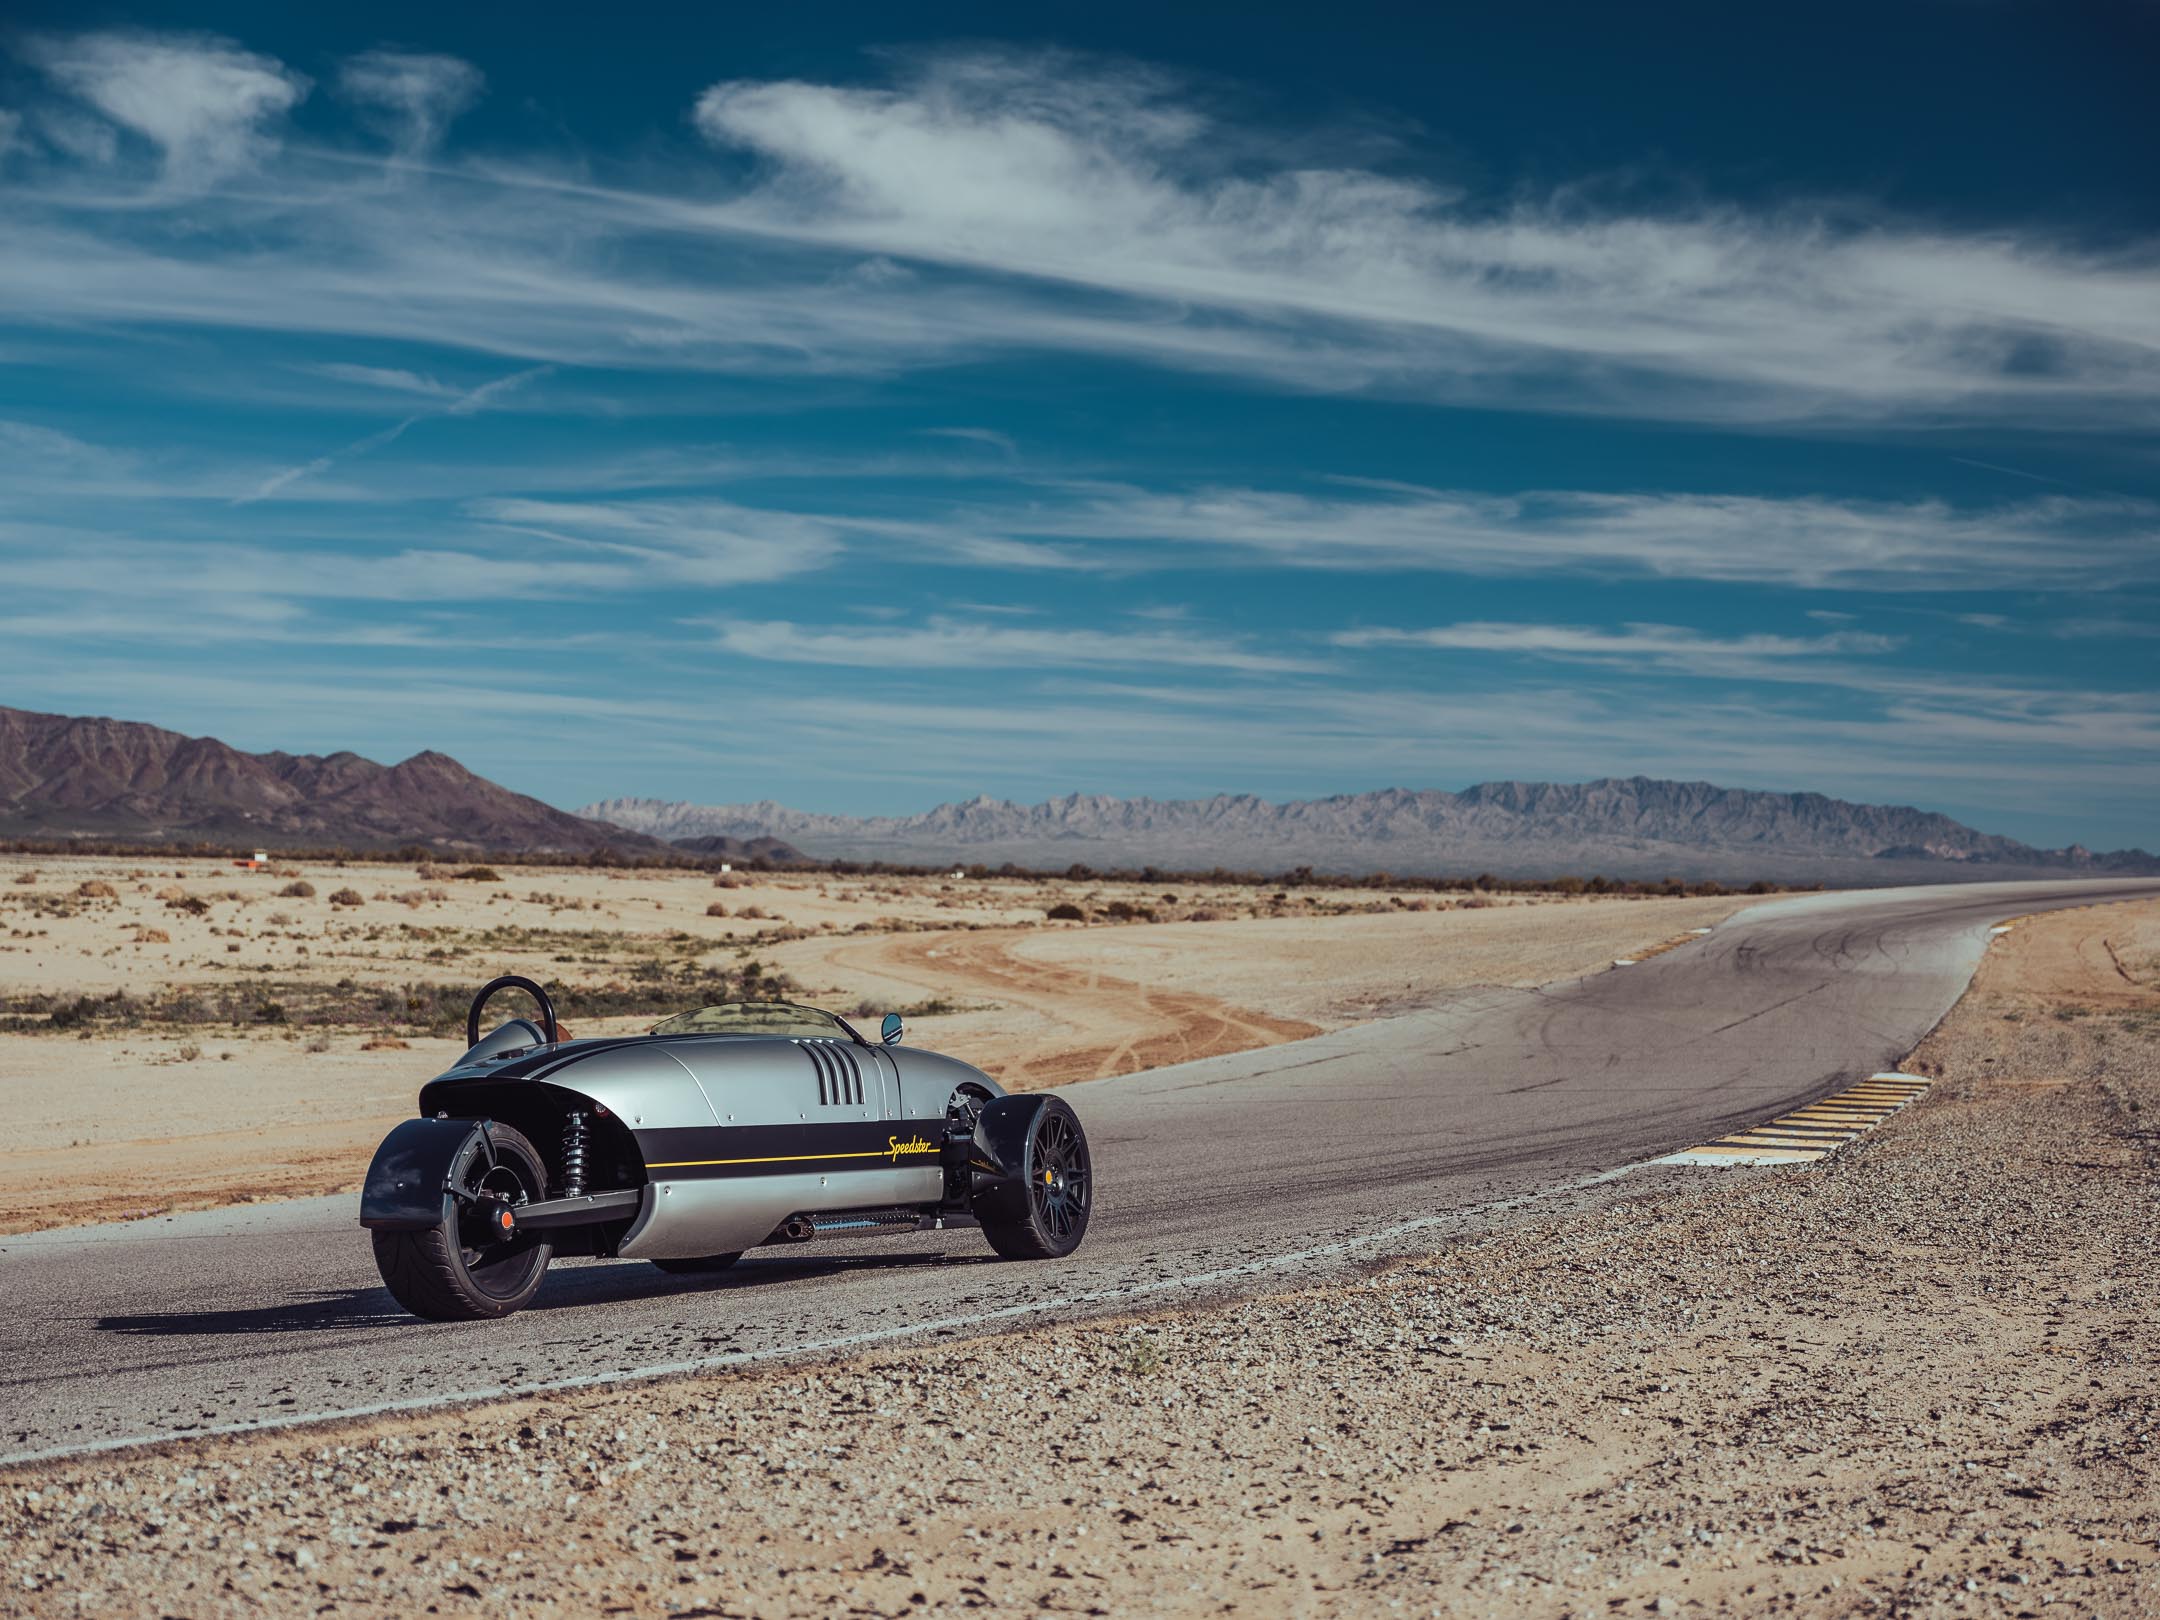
(1233, 1174)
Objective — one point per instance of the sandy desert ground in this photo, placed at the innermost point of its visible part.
(269, 1036)
(1917, 1379)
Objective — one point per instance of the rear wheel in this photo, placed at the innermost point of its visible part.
(703, 1262)
(463, 1269)
(1058, 1191)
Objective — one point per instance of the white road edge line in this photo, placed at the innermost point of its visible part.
(852, 1341)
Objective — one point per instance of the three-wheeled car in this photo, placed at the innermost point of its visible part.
(716, 1131)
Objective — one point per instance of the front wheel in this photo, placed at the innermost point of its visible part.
(1046, 1216)
(461, 1269)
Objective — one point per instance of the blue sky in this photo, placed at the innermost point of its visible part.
(865, 409)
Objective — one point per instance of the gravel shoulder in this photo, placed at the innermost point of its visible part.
(1917, 1379)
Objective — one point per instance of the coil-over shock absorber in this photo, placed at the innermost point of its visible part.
(574, 1149)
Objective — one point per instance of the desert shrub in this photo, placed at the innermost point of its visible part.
(478, 874)
(281, 919)
(271, 1012)
(752, 912)
(25, 877)
(189, 904)
(1126, 911)
(152, 936)
(716, 909)
(172, 891)
(347, 897)
(320, 1043)
(385, 1043)
(189, 1053)
(233, 949)
(1066, 911)
(727, 880)
(1203, 914)
(302, 890)
(94, 890)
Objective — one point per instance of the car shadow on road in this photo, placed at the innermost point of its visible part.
(572, 1287)
(318, 1311)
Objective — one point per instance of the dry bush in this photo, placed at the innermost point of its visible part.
(303, 890)
(756, 912)
(320, 1043)
(281, 919)
(385, 1043)
(25, 877)
(413, 899)
(347, 897)
(152, 936)
(189, 904)
(1203, 914)
(172, 891)
(1066, 911)
(189, 1053)
(94, 890)
(430, 873)
(726, 880)
(478, 874)
(232, 949)
(716, 909)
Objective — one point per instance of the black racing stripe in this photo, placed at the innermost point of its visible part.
(548, 1059)
(709, 1152)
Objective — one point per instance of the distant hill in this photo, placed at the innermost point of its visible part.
(62, 777)
(1635, 827)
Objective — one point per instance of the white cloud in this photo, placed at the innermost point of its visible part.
(413, 96)
(204, 102)
(391, 378)
(2058, 542)
(1660, 646)
(993, 205)
(1050, 170)
(955, 644)
(698, 542)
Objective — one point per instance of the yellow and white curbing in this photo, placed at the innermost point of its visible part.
(1814, 1132)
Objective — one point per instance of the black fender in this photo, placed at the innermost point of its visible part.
(997, 1158)
(412, 1170)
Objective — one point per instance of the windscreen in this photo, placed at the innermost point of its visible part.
(755, 1018)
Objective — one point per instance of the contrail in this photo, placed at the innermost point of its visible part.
(466, 404)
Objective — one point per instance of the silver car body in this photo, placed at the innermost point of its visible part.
(734, 1133)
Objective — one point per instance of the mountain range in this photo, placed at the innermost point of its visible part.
(1634, 827)
(70, 777)
(66, 777)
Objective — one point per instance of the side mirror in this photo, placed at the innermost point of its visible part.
(889, 1031)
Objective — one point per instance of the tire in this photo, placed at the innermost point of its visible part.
(1049, 1217)
(442, 1272)
(702, 1263)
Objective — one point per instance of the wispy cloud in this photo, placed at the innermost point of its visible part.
(1815, 542)
(412, 96)
(206, 104)
(959, 644)
(958, 211)
(1652, 646)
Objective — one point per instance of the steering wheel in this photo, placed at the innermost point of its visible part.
(510, 981)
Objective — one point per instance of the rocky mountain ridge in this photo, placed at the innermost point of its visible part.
(64, 776)
(1624, 827)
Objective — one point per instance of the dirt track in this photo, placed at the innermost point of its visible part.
(1088, 1024)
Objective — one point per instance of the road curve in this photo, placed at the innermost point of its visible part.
(1223, 1175)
